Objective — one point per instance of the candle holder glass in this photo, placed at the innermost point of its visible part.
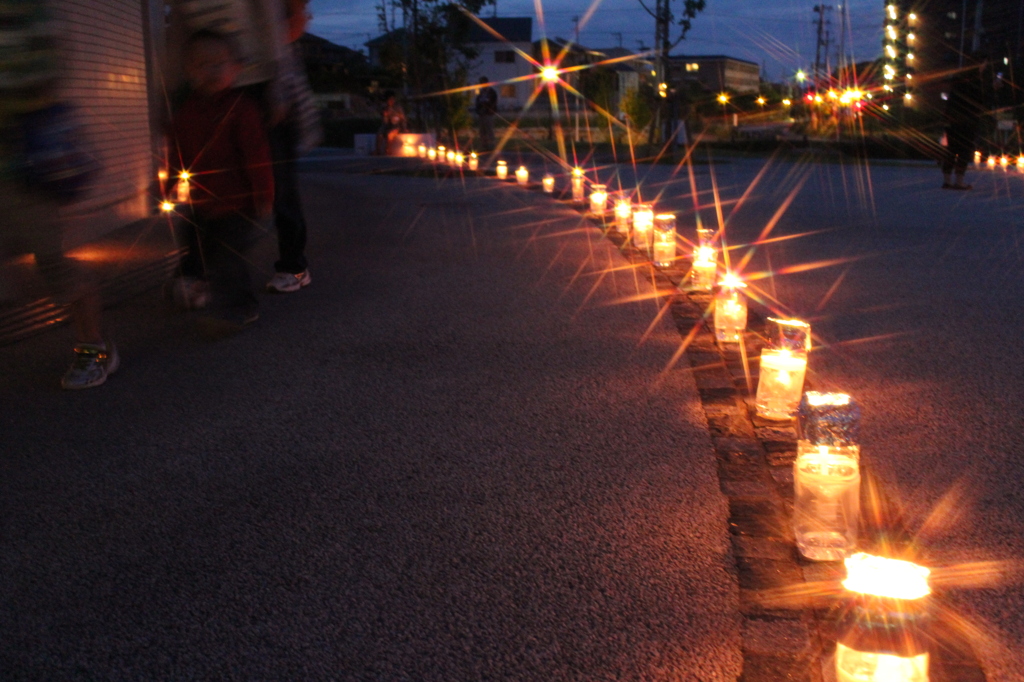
(522, 176)
(826, 475)
(704, 271)
(598, 200)
(730, 310)
(643, 227)
(783, 368)
(577, 186)
(623, 212)
(501, 170)
(664, 252)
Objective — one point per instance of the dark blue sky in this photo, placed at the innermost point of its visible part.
(778, 33)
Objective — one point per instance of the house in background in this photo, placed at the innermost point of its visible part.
(498, 60)
(716, 73)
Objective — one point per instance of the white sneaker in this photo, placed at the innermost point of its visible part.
(286, 282)
(92, 365)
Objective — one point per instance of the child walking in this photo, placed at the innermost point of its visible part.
(218, 138)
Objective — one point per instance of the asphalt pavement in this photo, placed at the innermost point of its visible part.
(453, 457)
(915, 296)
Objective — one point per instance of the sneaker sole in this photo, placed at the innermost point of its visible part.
(290, 290)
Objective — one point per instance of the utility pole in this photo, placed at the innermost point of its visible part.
(820, 10)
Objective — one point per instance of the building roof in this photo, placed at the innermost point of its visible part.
(395, 36)
(699, 57)
(512, 29)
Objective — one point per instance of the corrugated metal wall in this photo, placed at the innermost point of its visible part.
(107, 79)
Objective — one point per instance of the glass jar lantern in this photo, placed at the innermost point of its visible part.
(577, 186)
(730, 310)
(598, 199)
(522, 176)
(501, 170)
(783, 368)
(623, 212)
(664, 251)
(643, 227)
(826, 475)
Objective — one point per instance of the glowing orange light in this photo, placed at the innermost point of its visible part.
(761, 101)
(166, 206)
(787, 102)
(731, 281)
(184, 175)
(161, 175)
(723, 98)
(549, 74)
(884, 577)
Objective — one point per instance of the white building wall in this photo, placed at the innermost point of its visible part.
(106, 78)
(498, 72)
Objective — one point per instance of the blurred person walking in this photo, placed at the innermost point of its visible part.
(392, 124)
(42, 166)
(965, 105)
(264, 32)
(486, 109)
(218, 136)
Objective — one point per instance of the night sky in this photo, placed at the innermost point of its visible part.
(779, 34)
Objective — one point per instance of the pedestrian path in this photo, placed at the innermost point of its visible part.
(453, 457)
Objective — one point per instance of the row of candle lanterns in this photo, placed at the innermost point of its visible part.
(827, 468)
(887, 607)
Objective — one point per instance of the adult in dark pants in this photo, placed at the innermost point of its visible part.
(296, 132)
(964, 109)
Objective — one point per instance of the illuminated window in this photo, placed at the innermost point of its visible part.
(693, 67)
(504, 56)
(508, 91)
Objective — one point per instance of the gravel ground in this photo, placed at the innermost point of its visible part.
(920, 319)
(448, 459)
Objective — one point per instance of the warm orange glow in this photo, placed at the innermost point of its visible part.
(723, 98)
(185, 175)
(884, 577)
(817, 399)
(577, 172)
(787, 101)
(731, 281)
(162, 175)
(166, 206)
(705, 254)
(762, 101)
(549, 74)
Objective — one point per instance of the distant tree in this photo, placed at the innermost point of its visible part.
(431, 56)
(636, 105)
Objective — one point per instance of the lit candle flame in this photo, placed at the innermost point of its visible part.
(884, 577)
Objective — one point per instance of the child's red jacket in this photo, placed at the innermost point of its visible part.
(222, 143)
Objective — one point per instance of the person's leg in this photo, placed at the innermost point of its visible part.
(227, 243)
(292, 267)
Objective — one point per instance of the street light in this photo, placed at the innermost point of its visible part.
(549, 74)
(723, 99)
(801, 76)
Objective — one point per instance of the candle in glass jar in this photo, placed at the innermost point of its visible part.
(826, 475)
(441, 152)
(474, 161)
(664, 252)
(643, 227)
(598, 199)
(184, 190)
(730, 310)
(705, 236)
(522, 176)
(874, 645)
(450, 157)
(422, 151)
(548, 183)
(781, 383)
(623, 212)
(459, 159)
(501, 170)
(577, 186)
(704, 271)
(432, 154)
